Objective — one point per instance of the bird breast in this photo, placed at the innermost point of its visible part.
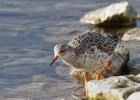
(87, 61)
(95, 61)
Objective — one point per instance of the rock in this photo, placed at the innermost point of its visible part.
(113, 88)
(119, 61)
(118, 14)
(133, 34)
(134, 96)
(131, 42)
(133, 65)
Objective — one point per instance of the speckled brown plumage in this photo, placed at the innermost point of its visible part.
(90, 40)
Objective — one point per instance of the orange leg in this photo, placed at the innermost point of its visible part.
(108, 64)
(86, 79)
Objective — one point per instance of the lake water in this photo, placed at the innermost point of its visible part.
(28, 31)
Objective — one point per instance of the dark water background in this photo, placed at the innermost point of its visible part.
(28, 31)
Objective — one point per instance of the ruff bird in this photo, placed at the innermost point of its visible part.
(88, 52)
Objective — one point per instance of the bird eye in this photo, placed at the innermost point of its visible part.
(62, 51)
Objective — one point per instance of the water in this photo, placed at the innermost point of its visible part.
(28, 31)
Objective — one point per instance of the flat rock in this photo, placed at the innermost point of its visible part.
(113, 88)
(119, 61)
(133, 34)
(117, 14)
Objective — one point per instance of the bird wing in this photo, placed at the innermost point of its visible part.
(90, 40)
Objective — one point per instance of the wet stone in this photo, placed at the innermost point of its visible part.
(117, 14)
(113, 88)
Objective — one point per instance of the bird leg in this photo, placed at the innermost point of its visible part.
(108, 64)
(85, 76)
(86, 79)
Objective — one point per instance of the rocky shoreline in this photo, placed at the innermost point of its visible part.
(126, 85)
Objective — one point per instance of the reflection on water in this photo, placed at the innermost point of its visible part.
(28, 31)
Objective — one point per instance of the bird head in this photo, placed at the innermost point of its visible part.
(59, 51)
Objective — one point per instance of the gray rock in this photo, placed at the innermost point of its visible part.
(133, 34)
(132, 43)
(113, 88)
(119, 14)
(133, 65)
(119, 61)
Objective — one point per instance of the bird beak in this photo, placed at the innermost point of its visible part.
(53, 60)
